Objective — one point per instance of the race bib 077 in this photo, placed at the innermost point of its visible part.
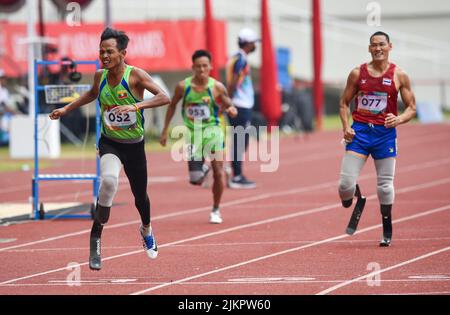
(372, 102)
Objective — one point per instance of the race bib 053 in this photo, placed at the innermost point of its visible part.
(197, 112)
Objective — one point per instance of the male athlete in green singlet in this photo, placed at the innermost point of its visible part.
(120, 89)
(202, 97)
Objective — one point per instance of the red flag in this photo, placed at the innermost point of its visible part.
(210, 39)
(317, 53)
(270, 93)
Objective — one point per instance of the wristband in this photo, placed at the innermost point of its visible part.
(137, 108)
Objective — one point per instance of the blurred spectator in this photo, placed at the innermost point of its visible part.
(4, 94)
(21, 99)
(240, 88)
(290, 120)
(301, 100)
(5, 110)
(51, 53)
(75, 121)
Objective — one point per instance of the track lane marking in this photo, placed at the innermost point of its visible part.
(247, 262)
(274, 219)
(374, 273)
(405, 169)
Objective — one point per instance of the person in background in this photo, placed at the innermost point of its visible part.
(202, 99)
(241, 91)
(6, 111)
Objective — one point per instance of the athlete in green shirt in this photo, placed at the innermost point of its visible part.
(203, 99)
(120, 89)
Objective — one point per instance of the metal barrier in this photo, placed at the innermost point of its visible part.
(61, 94)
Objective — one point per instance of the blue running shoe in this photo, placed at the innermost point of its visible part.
(149, 243)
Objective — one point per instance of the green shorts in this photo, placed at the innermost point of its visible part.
(205, 142)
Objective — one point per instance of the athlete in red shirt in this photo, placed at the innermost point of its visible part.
(374, 87)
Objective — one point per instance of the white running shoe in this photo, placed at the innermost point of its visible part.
(215, 217)
(149, 244)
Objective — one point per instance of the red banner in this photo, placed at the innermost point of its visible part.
(211, 37)
(154, 46)
(270, 92)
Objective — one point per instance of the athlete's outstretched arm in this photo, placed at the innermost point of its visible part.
(225, 101)
(84, 99)
(344, 103)
(408, 99)
(177, 95)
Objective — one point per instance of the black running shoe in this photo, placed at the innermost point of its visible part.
(240, 182)
(385, 242)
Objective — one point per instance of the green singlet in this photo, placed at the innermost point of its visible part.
(128, 126)
(201, 116)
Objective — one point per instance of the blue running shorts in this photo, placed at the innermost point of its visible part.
(375, 140)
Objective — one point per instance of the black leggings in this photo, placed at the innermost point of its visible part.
(134, 161)
(242, 119)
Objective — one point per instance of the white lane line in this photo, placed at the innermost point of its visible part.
(247, 262)
(202, 283)
(420, 293)
(239, 227)
(374, 273)
(430, 277)
(7, 240)
(405, 169)
(234, 244)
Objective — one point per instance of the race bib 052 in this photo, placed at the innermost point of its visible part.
(115, 120)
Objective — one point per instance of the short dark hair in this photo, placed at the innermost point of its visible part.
(380, 33)
(121, 38)
(201, 53)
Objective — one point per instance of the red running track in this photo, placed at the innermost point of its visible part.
(285, 237)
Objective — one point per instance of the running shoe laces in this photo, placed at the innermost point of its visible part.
(149, 244)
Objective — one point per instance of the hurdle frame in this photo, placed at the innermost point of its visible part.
(38, 208)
